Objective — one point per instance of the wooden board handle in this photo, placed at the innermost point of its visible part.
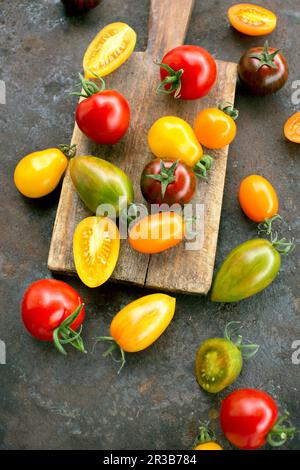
(168, 24)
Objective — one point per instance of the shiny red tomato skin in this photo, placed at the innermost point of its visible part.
(46, 303)
(180, 191)
(104, 117)
(247, 416)
(262, 80)
(200, 70)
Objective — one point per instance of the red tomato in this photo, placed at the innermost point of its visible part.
(46, 304)
(248, 418)
(192, 69)
(168, 181)
(103, 115)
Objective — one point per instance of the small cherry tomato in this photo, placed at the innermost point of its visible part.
(187, 72)
(111, 47)
(258, 198)
(96, 246)
(140, 323)
(292, 128)
(169, 182)
(263, 70)
(38, 174)
(252, 20)
(104, 115)
(215, 128)
(53, 311)
(206, 439)
(157, 232)
(249, 418)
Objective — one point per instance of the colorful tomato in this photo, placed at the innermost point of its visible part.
(252, 20)
(206, 439)
(112, 46)
(292, 128)
(258, 198)
(172, 137)
(168, 182)
(247, 270)
(100, 182)
(104, 115)
(187, 72)
(140, 323)
(80, 6)
(38, 174)
(263, 70)
(53, 311)
(96, 246)
(219, 361)
(249, 419)
(157, 232)
(215, 127)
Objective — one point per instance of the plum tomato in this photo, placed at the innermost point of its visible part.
(258, 198)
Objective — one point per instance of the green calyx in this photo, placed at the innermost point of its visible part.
(247, 350)
(64, 334)
(282, 245)
(265, 57)
(68, 150)
(114, 345)
(228, 108)
(173, 79)
(205, 434)
(89, 87)
(165, 176)
(281, 431)
(203, 166)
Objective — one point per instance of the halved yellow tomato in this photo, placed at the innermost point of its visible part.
(96, 246)
(112, 46)
(292, 128)
(252, 20)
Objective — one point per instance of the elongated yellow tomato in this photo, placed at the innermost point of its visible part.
(39, 173)
(112, 46)
(208, 446)
(142, 322)
(96, 246)
(172, 137)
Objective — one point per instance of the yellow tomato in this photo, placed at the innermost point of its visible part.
(292, 128)
(252, 20)
(208, 446)
(172, 137)
(214, 128)
(112, 46)
(142, 322)
(39, 173)
(96, 246)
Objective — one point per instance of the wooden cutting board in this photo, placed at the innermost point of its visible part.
(176, 269)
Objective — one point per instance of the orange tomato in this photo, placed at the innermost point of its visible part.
(292, 128)
(250, 19)
(258, 198)
(208, 446)
(157, 232)
(214, 129)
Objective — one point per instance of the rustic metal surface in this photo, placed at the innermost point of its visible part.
(48, 401)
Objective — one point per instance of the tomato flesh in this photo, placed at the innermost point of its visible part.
(292, 128)
(252, 20)
(218, 364)
(96, 248)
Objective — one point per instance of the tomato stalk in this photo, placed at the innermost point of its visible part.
(203, 166)
(68, 150)
(173, 79)
(63, 334)
(265, 57)
(228, 108)
(247, 350)
(90, 88)
(281, 431)
(165, 176)
(205, 434)
(282, 245)
(111, 348)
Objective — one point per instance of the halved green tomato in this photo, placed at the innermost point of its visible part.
(218, 364)
(96, 246)
(112, 46)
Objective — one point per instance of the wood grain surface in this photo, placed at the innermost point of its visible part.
(177, 269)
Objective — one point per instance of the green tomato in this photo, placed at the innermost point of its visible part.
(247, 270)
(218, 364)
(100, 182)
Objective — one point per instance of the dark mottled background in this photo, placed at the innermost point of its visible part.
(48, 401)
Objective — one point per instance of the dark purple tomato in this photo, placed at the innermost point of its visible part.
(80, 6)
(167, 182)
(263, 70)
